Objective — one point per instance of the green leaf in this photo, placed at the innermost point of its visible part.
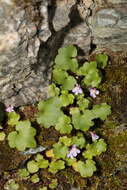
(82, 121)
(53, 90)
(102, 60)
(11, 185)
(95, 149)
(53, 184)
(60, 150)
(66, 58)
(43, 188)
(70, 161)
(83, 103)
(59, 76)
(92, 79)
(13, 118)
(87, 68)
(63, 125)
(11, 138)
(32, 166)
(23, 173)
(55, 166)
(49, 112)
(86, 169)
(65, 140)
(35, 178)
(23, 137)
(101, 111)
(2, 136)
(66, 98)
(39, 157)
(42, 163)
(69, 83)
(79, 141)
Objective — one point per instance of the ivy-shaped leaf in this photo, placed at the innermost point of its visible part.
(23, 173)
(34, 178)
(53, 184)
(87, 68)
(32, 166)
(42, 163)
(83, 103)
(63, 125)
(66, 58)
(59, 76)
(60, 150)
(85, 169)
(23, 137)
(70, 161)
(95, 149)
(65, 140)
(102, 60)
(13, 118)
(55, 166)
(53, 90)
(69, 83)
(92, 77)
(82, 121)
(66, 98)
(79, 141)
(49, 112)
(101, 111)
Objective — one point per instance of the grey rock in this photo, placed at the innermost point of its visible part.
(117, 1)
(78, 32)
(109, 28)
(81, 36)
(19, 46)
(36, 150)
(30, 37)
(61, 17)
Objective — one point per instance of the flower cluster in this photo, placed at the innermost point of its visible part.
(93, 92)
(77, 90)
(73, 152)
(94, 136)
(9, 108)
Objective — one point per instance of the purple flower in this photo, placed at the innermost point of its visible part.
(73, 152)
(9, 109)
(94, 136)
(77, 90)
(93, 92)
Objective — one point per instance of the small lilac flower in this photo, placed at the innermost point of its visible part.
(77, 90)
(9, 109)
(94, 136)
(73, 152)
(93, 92)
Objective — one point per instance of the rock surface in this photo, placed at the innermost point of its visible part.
(30, 34)
(109, 26)
(20, 36)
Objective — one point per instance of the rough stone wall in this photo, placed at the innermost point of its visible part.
(109, 24)
(21, 27)
(31, 31)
